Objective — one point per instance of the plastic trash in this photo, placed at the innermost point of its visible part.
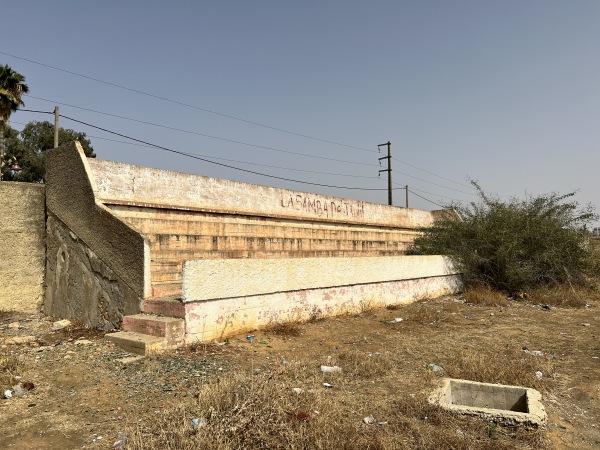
(537, 353)
(327, 385)
(297, 390)
(331, 369)
(7, 393)
(398, 319)
(435, 368)
(121, 441)
(250, 337)
(369, 420)
(539, 375)
(198, 422)
(18, 391)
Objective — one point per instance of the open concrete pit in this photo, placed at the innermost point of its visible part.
(494, 402)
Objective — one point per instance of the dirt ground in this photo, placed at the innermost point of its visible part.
(81, 391)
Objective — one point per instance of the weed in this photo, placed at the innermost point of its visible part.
(515, 245)
(10, 367)
(483, 295)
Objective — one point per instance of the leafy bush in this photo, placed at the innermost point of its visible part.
(517, 244)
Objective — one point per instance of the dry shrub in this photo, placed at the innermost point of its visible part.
(485, 296)
(511, 368)
(244, 411)
(565, 296)
(10, 367)
(285, 329)
(427, 426)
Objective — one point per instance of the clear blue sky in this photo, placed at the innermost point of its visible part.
(504, 92)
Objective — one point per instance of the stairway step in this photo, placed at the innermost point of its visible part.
(171, 329)
(165, 306)
(140, 344)
(166, 289)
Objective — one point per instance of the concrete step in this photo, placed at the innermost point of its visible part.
(165, 306)
(140, 344)
(166, 289)
(171, 329)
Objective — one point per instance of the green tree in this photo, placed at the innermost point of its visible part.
(12, 87)
(517, 244)
(29, 147)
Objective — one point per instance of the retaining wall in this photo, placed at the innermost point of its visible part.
(22, 247)
(225, 297)
(119, 235)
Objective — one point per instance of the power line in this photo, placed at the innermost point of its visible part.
(426, 199)
(237, 142)
(214, 162)
(202, 134)
(222, 114)
(187, 104)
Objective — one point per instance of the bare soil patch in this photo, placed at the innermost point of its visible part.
(242, 390)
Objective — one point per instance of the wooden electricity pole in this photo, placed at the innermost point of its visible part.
(389, 169)
(55, 126)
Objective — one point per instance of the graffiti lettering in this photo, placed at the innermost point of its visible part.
(322, 207)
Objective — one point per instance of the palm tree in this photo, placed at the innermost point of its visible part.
(12, 86)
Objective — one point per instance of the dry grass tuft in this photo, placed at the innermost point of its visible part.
(485, 296)
(361, 364)
(10, 367)
(243, 410)
(511, 368)
(285, 329)
(564, 296)
(425, 313)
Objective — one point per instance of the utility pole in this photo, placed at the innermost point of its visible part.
(55, 126)
(388, 170)
(406, 187)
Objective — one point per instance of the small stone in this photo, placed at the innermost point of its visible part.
(17, 340)
(83, 342)
(60, 324)
(297, 390)
(369, 420)
(539, 375)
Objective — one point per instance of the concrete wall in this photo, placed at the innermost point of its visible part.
(22, 248)
(97, 265)
(227, 297)
(186, 217)
(120, 234)
(228, 278)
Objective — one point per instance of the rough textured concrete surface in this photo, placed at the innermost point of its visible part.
(227, 278)
(82, 286)
(22, 251)
(187, 217)
(209, 320)
(108, 275)
(500, 403)
(129, 184)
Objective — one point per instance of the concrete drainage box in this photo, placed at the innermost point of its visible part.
(495, 402)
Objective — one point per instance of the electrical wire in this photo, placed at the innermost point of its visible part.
(137, 91)
(224, 115)
(217, 163)
(239, 142)
(204, 158)
(202, 134)
(426, 199)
